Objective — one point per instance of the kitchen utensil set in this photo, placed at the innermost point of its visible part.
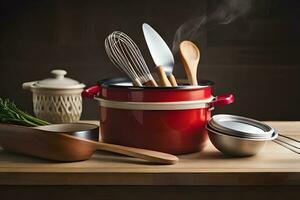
(126, 56)
(136, 119)
(167, 119)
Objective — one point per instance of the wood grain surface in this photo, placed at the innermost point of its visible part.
(274, 165)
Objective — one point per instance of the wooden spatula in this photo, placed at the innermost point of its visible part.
(190, 56)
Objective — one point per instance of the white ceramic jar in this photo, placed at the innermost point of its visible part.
(58, 99)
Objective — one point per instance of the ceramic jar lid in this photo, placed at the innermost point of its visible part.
(240, 126)
(59, 81)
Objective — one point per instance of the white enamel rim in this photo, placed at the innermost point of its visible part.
(34, 85)
(177, 105)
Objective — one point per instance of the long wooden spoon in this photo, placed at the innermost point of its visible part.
(53, 142)
(190, 56)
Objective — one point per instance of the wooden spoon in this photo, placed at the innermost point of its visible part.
(55, 144)
(190, 56)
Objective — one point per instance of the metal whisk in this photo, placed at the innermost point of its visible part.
(127, 57)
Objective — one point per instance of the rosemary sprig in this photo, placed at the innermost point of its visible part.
(11, 114)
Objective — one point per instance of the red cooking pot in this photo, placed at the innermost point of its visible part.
(167, 119)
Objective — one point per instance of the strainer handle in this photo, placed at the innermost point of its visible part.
(91, 92)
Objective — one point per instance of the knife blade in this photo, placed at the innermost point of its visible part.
(161, 55)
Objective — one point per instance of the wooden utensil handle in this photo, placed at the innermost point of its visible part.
(194, 80)
(164, 81)
(136, 82)
(172, 80)
(152, 156)
(191, 73)
(151, 83)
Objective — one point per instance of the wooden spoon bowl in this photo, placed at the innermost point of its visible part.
(190, 56)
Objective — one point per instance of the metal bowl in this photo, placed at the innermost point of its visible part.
(81, 130)
(236, 146)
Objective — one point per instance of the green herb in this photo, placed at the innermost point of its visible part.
(10, 114)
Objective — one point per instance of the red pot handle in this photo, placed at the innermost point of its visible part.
(222, 100)
(91, 91)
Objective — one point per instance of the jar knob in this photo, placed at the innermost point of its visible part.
(58, 73)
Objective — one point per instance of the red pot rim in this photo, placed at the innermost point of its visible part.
(113, 90)
(120, 83)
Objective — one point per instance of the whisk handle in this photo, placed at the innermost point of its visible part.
(136, 82)
(91, 92)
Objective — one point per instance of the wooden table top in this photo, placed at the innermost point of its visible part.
(274, 165)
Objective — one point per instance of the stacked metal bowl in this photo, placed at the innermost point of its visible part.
(238, 136)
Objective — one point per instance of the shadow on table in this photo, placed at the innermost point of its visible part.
(19, 158)
(208, 155)
(101, 156)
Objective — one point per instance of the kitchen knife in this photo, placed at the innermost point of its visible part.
(161, 55)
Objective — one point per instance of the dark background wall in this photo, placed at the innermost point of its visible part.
(256, 57)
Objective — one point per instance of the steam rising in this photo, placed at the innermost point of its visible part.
(227, 12)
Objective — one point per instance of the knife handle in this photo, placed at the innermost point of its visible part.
(172, 80)
(164, 81)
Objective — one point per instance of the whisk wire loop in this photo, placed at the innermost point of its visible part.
(126, 56)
